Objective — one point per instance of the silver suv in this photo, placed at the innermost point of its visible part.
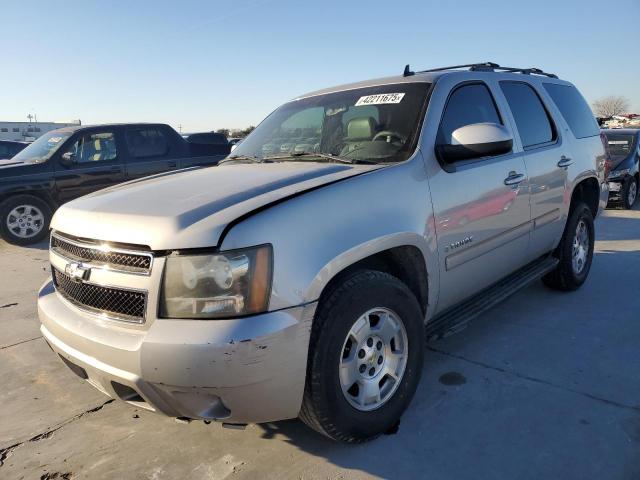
(303, 276)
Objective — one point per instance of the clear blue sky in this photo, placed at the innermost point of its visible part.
(206, 65)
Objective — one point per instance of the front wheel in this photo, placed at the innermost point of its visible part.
(24, 219)
(629, 193)
(365, 357)
(575, 251)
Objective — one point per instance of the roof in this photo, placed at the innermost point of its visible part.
(486, 69)
(75, 128)
(624, 131)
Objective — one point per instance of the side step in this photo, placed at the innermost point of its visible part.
(458, 317)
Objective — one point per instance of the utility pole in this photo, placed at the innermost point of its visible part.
(29, 117)
(180, 128)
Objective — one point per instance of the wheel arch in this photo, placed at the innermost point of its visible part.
(403, 259)
(587, 191)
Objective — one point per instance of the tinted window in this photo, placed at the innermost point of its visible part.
(467, 105)
(574, 109)
(4, 129)
(530, 115)
(620, 144)
(94, 147)
(146, 142)
(5, 151)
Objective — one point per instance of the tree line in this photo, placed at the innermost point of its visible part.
(236, 133)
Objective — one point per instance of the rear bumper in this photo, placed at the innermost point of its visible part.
(247, 370)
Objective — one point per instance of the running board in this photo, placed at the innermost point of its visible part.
(456, 318)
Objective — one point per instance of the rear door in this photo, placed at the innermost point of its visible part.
(150, 151)
(97, 163)
(545, 153)
(481, 206)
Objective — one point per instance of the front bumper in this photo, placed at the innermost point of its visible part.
(247, 370)
(615, 189)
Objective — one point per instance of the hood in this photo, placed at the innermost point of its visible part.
(6, 163)
(191, 209)
(617, 161)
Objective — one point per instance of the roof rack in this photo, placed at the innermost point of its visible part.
(482, 67)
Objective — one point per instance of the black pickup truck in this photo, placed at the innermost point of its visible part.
(70, 162)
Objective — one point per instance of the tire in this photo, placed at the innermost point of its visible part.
(24, 219)
(566, 276)
(629, 193)
(326, 407)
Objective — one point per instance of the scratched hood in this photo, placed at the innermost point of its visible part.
(191, 209)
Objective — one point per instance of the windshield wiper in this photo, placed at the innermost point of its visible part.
(233, 158)
(333, 158)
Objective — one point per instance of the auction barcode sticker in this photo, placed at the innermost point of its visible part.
(618, 142)
(380, 99)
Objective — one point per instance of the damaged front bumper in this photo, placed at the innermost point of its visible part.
(246, 370)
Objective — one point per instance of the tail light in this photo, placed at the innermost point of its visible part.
(607, 156)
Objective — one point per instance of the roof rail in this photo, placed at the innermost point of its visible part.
(482, 67)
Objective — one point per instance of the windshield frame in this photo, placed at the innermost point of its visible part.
(30, 158)
(413, 140)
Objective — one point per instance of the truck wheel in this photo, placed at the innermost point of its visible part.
(365, 357)
(575, 251)
(24, 219)
(629, 193)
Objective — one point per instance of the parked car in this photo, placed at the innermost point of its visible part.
(298, 283)
(209, 143)
(70, 162)
(624, 150)
(9, 148)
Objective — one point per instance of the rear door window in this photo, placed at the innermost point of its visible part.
(529, 113)
(146, 142)
(574, 109)
(468, 104)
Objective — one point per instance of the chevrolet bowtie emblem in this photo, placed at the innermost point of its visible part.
(77, 272)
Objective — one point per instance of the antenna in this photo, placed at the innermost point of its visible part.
(407, 71)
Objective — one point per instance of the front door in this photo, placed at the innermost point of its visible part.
(481, 206)
(94, 164)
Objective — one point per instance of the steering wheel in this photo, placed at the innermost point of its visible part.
(389, 136)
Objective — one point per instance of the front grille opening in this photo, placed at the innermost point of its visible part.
(127, 305)
(133, 262)
(127, 394)
(78, 370)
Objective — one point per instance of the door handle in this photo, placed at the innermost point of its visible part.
(514, 178)
(116, 169)
(564, 162)
(172, 164)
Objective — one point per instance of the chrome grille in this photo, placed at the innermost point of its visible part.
(114, 258)
(117, 303)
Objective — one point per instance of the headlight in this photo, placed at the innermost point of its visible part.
(618, 173)
(221, 285)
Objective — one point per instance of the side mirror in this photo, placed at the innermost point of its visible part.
(475, 141)
(68, 159)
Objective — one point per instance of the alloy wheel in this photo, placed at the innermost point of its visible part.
(25, 221)
(374, 358)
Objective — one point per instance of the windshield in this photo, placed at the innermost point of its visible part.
(620, 144)
(43, 147)
(373, 124)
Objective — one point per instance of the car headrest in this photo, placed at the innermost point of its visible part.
(360, 128)
(97, 145)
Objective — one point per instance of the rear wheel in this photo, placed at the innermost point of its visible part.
(24, 219)
(629, 193)
(575, 251)
(365, 357)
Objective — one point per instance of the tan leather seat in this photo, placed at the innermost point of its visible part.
(359, 131)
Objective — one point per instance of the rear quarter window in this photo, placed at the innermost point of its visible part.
(574, 109)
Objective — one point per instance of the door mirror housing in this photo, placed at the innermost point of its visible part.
(68, 159)
(475, 141)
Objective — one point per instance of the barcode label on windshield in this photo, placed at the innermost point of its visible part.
(380, 99)
(618, 142)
